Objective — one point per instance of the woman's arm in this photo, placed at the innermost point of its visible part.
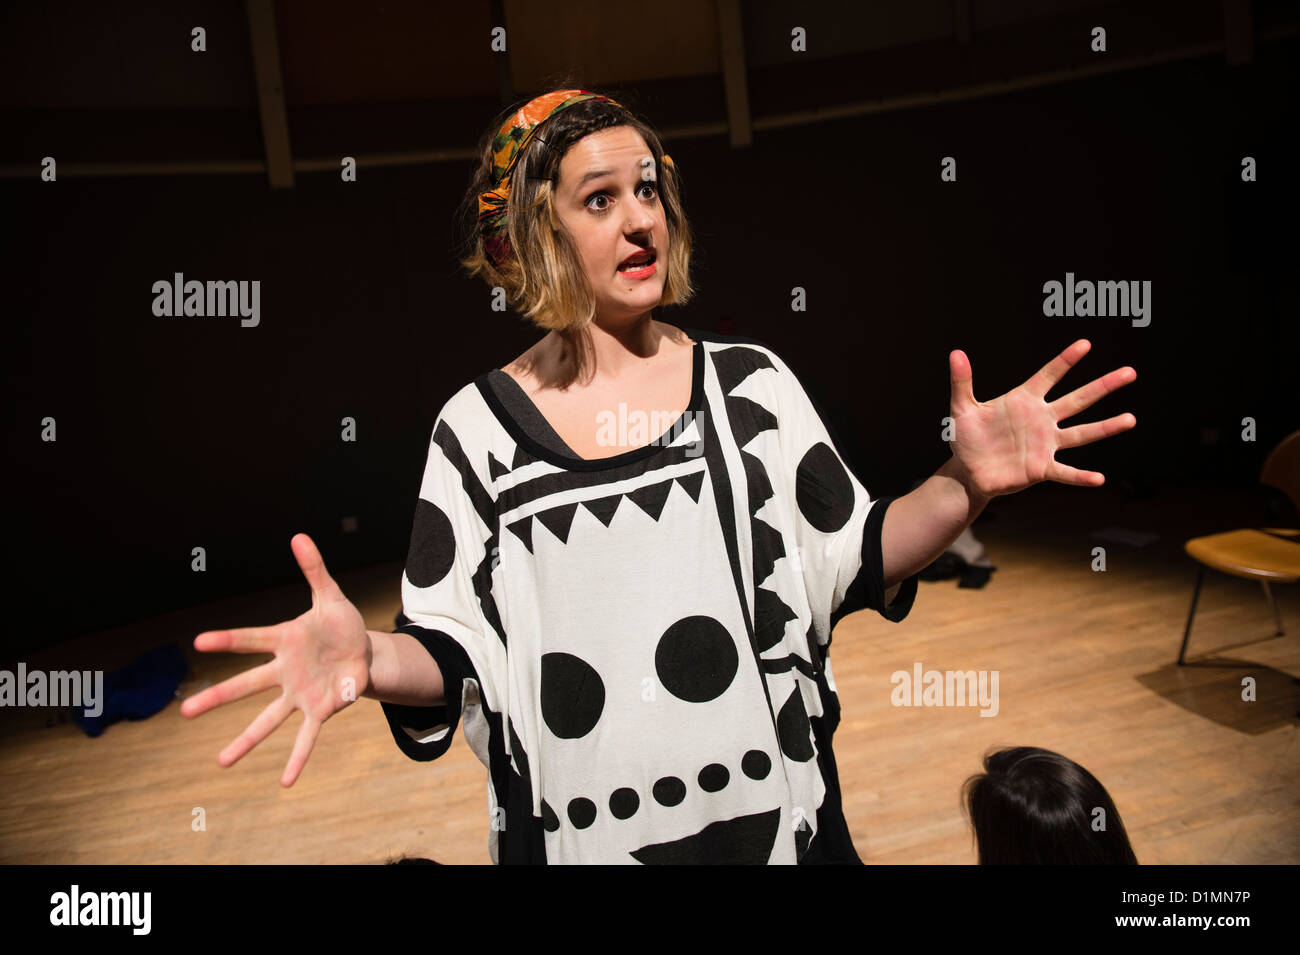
(402, 671)
(920, 526)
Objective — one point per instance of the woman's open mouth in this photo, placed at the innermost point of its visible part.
(640, 266)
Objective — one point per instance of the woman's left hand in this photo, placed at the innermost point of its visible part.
(1007, 444)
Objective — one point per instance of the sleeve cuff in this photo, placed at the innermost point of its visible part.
(425, 732)
(873, 566)
(868, 589)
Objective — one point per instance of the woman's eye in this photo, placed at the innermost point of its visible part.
(597, 195)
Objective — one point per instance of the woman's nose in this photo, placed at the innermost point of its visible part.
(639, 222)
(640, 219)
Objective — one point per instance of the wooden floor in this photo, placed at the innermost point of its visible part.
(1085, 662)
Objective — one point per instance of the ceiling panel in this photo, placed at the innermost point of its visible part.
(75, 54)
(398, 51)
(610, 43)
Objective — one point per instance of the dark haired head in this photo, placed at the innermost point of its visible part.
(1031, 806)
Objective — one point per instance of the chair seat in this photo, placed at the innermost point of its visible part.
(1270, 553)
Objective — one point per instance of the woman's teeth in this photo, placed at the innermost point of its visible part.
(641, 264)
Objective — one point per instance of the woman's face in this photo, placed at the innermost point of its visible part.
(608, 200)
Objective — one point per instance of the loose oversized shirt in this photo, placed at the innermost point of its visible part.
(636, 647)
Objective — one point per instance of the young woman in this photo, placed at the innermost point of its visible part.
(630, 613)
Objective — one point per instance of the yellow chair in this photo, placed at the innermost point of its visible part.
(1264, 554)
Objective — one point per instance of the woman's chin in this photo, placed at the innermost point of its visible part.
(654, 284)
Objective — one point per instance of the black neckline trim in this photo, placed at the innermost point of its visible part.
(543, 453)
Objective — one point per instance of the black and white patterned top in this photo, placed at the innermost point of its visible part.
(637, 646)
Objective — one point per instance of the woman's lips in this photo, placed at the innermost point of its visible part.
(639, 271)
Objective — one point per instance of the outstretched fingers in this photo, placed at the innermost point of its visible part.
(1087, 395)
(276, 712)
(1095, 430)
(302, 747)
(313, 568)
(236, 688)
(961, 378)
(1046, 377)
(243, 640)
(1065, 474)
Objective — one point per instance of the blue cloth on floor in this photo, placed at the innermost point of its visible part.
(138, 690)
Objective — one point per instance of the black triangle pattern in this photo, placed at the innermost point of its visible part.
(523, 529)
(495, 467)
(603, 508)
(748, 418)
(768, 548)
(652, 497)
(770, 616)
(558, 520)
(733, 365)
(757, 481)
(691, 484)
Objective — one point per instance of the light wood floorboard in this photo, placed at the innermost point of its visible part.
(1085, 662)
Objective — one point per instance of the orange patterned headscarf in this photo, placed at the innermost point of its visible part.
(507, 146)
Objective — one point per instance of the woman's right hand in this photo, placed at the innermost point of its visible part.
(322, 664)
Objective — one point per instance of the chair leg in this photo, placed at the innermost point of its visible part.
(1196, 593)
(1277, 617)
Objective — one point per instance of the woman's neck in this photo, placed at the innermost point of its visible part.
(599, 351)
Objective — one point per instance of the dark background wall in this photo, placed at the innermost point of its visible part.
(183, 432)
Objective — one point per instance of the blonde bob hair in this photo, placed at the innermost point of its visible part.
(543, 279)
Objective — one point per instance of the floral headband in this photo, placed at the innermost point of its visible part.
(507, 146)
